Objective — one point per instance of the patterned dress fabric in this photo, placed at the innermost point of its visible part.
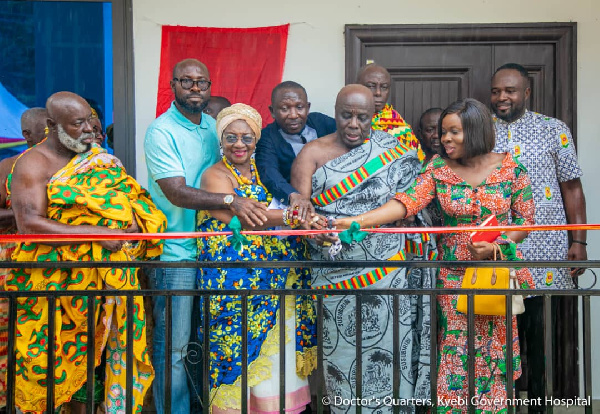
(357, 182)
(6, 250)
(92, 189)
(545, 147)
(225, 313)
(506, 192)
(389, 120)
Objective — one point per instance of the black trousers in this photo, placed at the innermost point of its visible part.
(564, 349)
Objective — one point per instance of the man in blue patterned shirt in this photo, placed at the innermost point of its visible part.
(544, 145)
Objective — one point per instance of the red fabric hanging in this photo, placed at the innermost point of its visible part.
(244, 64)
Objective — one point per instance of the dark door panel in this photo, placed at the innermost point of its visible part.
(433, 65)
(426, 76)
(426, 88)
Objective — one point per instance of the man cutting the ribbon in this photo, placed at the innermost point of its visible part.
(345, 178)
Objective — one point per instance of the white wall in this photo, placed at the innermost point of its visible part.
(315, 57)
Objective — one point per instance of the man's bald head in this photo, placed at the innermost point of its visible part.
(215, 105)
(69, 121)
(33, 125)
(62, 103)
(354, 92)
(369, 69)
(354, 109)
(185, 63)
(378, 80)
(192, 99)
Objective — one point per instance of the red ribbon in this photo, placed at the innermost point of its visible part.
(13, 238)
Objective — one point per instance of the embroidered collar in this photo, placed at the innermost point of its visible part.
(523, 118)
(443, 172)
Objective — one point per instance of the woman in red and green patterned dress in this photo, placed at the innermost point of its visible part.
(470, 183)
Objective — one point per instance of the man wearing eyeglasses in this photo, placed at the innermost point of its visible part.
(179, 146)
(386, 118)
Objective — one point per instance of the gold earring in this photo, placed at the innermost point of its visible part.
(46, 130)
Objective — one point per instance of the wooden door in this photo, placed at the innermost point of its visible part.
(434, 65)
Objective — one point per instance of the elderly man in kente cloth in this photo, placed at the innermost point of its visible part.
(33, 123)
(67, 185)
(344, 178)
(386, 118)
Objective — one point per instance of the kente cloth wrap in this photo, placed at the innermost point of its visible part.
(92, 189)
(506, 192)
(389, 120)
(357, 182)
(225, 312)
(6, 250)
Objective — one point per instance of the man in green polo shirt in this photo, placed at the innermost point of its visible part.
(179, 146)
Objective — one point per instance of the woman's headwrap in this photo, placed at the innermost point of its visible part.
(239, 111)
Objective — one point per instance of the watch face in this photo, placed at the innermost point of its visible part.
(228, 199)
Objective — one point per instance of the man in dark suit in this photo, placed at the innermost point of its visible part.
(283, 139)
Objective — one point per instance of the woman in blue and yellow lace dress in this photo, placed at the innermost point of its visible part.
(238, 128)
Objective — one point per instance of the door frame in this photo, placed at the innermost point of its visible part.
(563, 35)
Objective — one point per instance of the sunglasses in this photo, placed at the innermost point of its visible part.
(232, 139)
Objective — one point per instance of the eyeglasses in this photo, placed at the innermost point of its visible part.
(232, 139)
(187, 83)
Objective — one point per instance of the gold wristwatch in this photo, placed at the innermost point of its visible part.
(228, 199)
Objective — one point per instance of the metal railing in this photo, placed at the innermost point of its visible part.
(318, 296)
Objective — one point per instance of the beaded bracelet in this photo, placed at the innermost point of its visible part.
(292, 219)
(285, 216)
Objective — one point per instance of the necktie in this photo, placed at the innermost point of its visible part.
(304, 141)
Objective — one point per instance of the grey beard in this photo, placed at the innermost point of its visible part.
(74, 144)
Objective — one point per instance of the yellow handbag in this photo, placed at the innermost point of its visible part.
(488, 278)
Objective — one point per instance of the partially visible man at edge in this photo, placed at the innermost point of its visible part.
(66, 185)
(427, 134)
(322, 172)
(215, 105)
(386, 118)
(33, 124)
(179, 146)
(282, 140)
(544, 145)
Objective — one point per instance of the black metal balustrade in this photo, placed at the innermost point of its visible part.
(318, 295)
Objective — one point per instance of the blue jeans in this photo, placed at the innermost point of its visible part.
(181, 306)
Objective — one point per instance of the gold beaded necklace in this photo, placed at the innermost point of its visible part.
(243, 181)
